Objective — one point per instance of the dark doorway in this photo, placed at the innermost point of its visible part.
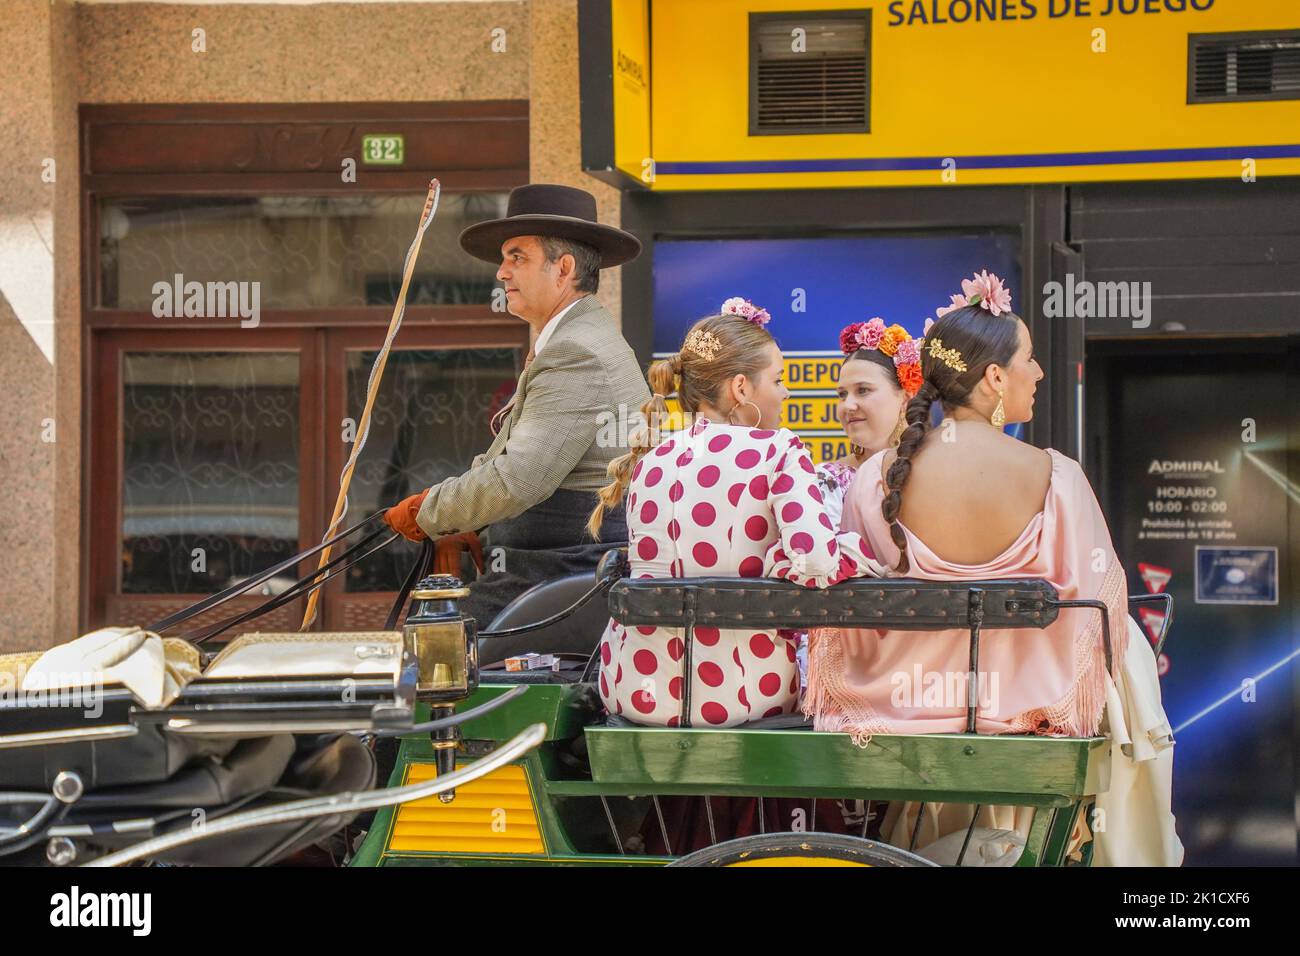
(1192, 445)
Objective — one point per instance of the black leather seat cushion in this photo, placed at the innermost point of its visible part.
(579, 633)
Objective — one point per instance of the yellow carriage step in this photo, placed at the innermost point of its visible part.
(485, 802)
(467, 814)
(509, 776)
(494, 814)
(516, 831)
(442, 844)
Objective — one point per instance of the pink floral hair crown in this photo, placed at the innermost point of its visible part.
(894, 341)
(983, 289)
(746, 310)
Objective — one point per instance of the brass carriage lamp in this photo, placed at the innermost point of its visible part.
(443, 639)
(445, 643)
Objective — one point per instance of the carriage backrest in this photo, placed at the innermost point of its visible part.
(895, 603)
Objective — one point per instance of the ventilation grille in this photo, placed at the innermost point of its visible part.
(1231, 67)
(814, 82)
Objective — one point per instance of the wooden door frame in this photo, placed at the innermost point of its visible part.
(104, 472)
(239, 149)
(322, 385)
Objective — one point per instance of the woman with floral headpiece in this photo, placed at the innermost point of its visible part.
(964, 501)
(880, 373)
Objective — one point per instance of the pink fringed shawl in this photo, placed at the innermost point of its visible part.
(1047, 681)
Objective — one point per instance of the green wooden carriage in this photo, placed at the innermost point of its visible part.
(589, 791)
(498, 768)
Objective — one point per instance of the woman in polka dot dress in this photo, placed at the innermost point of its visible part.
(725, 498)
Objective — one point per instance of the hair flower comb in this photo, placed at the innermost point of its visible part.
(949, 357)
(704, 344)
(983, 289)
(746, 310)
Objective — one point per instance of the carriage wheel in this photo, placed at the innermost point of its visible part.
(801, 849)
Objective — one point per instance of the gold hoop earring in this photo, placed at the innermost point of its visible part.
(999, 414)
(752, 405)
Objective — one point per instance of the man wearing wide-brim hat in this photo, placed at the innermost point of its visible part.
(535, 485)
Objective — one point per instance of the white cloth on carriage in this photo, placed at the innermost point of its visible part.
(1133, 825)
(998, 839)
(153, 670)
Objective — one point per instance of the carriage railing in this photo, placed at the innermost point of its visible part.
(893, 604)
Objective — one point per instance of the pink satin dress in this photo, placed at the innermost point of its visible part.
(1051, 681)
(914, 682)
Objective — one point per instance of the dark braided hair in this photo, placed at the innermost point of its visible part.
(983, 339)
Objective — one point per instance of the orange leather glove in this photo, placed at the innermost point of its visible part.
(401, 517)
(447, 552)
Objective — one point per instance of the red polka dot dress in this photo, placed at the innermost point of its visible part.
(722, 501)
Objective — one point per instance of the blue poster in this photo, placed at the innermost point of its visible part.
(1236, 575)
(813, 288)
(902, 279)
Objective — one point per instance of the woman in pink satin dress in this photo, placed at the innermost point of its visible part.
(964, 501)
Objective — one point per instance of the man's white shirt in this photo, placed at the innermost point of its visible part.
(547, 329)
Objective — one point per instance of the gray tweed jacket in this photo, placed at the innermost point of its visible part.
(586, 384)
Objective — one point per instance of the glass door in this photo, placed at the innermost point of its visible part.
(212, 468)
(429, 421)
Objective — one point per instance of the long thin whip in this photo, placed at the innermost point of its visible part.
(372, 390)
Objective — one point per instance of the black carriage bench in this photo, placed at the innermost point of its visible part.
(1027, 770)
(889, 603)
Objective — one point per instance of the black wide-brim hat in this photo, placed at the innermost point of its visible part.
(548, 209)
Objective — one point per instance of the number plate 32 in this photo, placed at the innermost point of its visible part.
(383, 149)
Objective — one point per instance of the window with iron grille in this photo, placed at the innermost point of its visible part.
(810, 72)
(1231, 67)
